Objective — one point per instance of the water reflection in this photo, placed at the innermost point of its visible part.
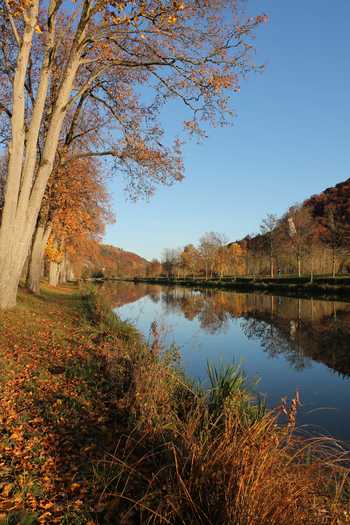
(302, 330)
(290, 344)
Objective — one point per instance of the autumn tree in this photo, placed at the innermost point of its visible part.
(222, 261)
(236, 254)
(268, 229)
(190, 258)
(336, 234)
(82, 208)
(299, 230)
(105, 54)
(77, 211)
(154, 268)
(210, 245)
(171, 261)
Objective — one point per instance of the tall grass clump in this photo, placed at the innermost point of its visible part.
(230, 392)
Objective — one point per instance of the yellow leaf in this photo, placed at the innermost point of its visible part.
(47, 506)
(6, 489)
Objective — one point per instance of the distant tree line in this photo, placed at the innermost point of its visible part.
(310, 238)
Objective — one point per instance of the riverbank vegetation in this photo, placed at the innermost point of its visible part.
(99, 426)
(300, 329)
(319, 286)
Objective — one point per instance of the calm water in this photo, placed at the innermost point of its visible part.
(290, 344)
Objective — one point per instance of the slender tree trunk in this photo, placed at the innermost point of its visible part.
(70, 272)
(271, 266)
(333, 263)
(299, 266)
(63, 271)
(312, 270)
(54, 273)
(25, 270)
(41, 237)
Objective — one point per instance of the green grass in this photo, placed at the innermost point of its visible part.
(98, 311)
(229, 387)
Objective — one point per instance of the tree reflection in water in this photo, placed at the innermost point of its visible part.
(300, 329)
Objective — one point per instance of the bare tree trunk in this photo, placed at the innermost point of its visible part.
(299, 266)
(333, 263)
(312, 270)
(271, 266)
(41, 237)
(63, 271)
(25, 270)
(26, 182)
(54, 273)
(12, 253)
(70, 271)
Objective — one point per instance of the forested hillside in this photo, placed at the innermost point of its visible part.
(333, 203)
(110, 261)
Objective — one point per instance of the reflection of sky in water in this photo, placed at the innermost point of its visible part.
(325, 394)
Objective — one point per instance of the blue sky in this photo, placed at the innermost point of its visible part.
(290, 139)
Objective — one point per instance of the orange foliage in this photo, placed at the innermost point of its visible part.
(78, 209)
(53, 253)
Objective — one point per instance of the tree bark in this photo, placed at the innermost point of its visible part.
(70, 271)
(13, 248)
(26, 183)
(312, 270)
(41, 236)
(63, 271)
(271, 266)
(299, 266)
(54, 273)
(333, 263)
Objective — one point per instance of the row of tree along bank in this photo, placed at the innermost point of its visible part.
(104, 428)
(320, 285)
(311, 238)
(70, 92)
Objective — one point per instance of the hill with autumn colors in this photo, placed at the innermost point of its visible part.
(335, 199)
(315, 233)
(329, 213)
(111, 261)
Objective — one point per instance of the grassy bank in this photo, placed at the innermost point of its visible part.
(302, 286)
(98, 427)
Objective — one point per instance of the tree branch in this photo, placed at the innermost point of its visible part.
(87, 154)
(13, 25)
(4, 109)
